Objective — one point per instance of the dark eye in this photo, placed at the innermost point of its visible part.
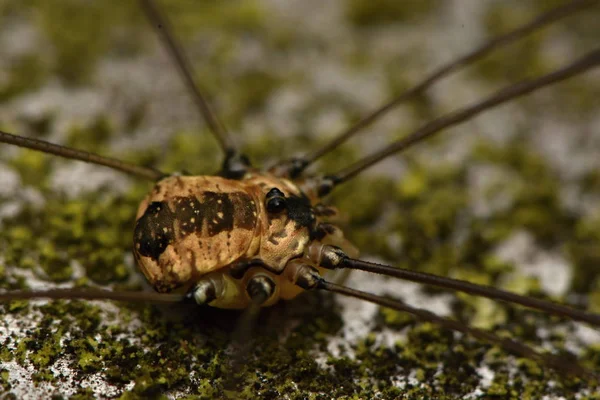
(275, 201)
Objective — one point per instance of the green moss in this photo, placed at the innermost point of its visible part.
(45, 355)
(61, 228)
(192, 152)
(394, 318)
(595, 297)
(517, 61)
(91, 137)
(78, 39)
(32, 166)
(4, 383)
(368, 13)
(26, 73)
(236, 18)
(89, 362)
(83, 394)
(252, 90)
(583, 248)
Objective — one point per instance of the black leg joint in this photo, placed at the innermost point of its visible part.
(296, 166)
(325, 185)
(332, 257)
(260, 288)
(308, 278)
(189, 298)
(323, 210)
(202, 293)
(291, 168)
(238, 270)
(235, 166)
(323, 229)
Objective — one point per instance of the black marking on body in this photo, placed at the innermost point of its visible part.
(219, 214)
(300, 211)
(216, 212)
(245, 210)
(189, 214)
(154, 230)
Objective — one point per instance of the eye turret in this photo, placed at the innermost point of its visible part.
(275, 201)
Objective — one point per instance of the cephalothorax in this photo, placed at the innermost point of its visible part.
(249, 237)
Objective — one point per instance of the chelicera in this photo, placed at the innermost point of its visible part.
(249, 237)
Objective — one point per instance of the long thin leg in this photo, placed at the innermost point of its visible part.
(308, 278)
(67, 152)
(474, 289)
(164, 31)
(558, 363)
(334, 258)
(587, 62)
(297, 165)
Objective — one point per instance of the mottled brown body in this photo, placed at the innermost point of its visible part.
(191, 226)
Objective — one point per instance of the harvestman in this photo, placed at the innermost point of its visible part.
(248, 237)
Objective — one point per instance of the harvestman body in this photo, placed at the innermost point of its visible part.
(226, 235)
(250, 238)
